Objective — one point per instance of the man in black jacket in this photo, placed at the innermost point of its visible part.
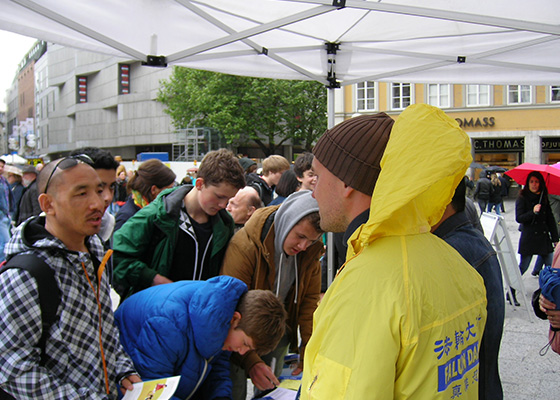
(29, 203)
(483, 191)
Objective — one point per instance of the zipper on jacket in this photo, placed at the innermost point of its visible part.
(191, 232)
(201, 377)
(204, 256)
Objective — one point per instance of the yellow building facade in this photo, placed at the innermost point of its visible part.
(508, 124)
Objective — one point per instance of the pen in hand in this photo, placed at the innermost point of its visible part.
(273, 367)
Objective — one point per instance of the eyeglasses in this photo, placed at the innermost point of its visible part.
(67, 163)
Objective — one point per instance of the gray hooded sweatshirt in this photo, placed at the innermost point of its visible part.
(292, 210)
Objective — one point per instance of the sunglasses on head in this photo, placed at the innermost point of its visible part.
(67, 163)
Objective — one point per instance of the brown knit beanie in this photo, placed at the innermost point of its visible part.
(352, 150)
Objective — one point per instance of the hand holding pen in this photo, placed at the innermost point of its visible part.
(263, 376)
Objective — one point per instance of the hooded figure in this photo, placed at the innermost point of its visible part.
(404, 317)
(279, 249)
(292, 210)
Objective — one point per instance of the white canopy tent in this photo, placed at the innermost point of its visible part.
(450, 41)
(336, 42)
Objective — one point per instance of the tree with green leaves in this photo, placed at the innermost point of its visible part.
(267, 111)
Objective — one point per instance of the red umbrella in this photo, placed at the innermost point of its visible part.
(550, 174)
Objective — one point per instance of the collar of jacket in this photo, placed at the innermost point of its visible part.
(32, 235)
(172, 201)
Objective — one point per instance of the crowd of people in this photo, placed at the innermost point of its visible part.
(219, 278)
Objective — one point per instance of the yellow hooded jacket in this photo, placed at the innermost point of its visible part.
(404, 317)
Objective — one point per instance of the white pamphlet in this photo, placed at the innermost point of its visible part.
(160, 389)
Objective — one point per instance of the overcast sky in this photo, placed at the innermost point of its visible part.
(12, 49)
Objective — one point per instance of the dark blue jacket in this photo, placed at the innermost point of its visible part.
(458, 232)
(179, 329)
(125, 213)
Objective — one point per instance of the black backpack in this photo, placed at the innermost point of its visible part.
(49, 295)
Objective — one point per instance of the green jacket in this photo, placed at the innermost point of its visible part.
(145, 244)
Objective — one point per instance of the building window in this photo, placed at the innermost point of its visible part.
(439, 95)
(51, 103)
(555, 93)
(478, 95)
(124, 78)
(401, 95)
(365, 96)
(519, 94)
(82, 89)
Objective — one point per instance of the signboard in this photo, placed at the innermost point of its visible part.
(495, 230)
(499, 145)
(550, 145)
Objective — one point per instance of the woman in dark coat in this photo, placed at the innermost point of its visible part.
(539, 234)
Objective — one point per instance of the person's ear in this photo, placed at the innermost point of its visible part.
(347, 192)
(252, 209)
(235, 319)
(154, 192)
(46, 203)
(199, 182)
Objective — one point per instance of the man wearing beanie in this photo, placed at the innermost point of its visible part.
(405, 314)
(278, 249)
(248, 165)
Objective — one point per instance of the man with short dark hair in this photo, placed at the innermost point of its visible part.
(303, 169)
(106, 167)
(82, 355)
(278, 249)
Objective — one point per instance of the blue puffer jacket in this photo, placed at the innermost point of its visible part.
(179, 329)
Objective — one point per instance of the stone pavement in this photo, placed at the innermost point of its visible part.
(525, 374)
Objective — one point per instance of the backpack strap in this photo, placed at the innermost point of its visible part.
(267, 224)
(258, 188)
(49, 292)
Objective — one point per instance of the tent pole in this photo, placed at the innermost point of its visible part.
(330, 107)
(330, 241)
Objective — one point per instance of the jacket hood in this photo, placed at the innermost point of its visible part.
(211, 309)
(32, 235)
(426, 157)
(173, 199)
(291, 211)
